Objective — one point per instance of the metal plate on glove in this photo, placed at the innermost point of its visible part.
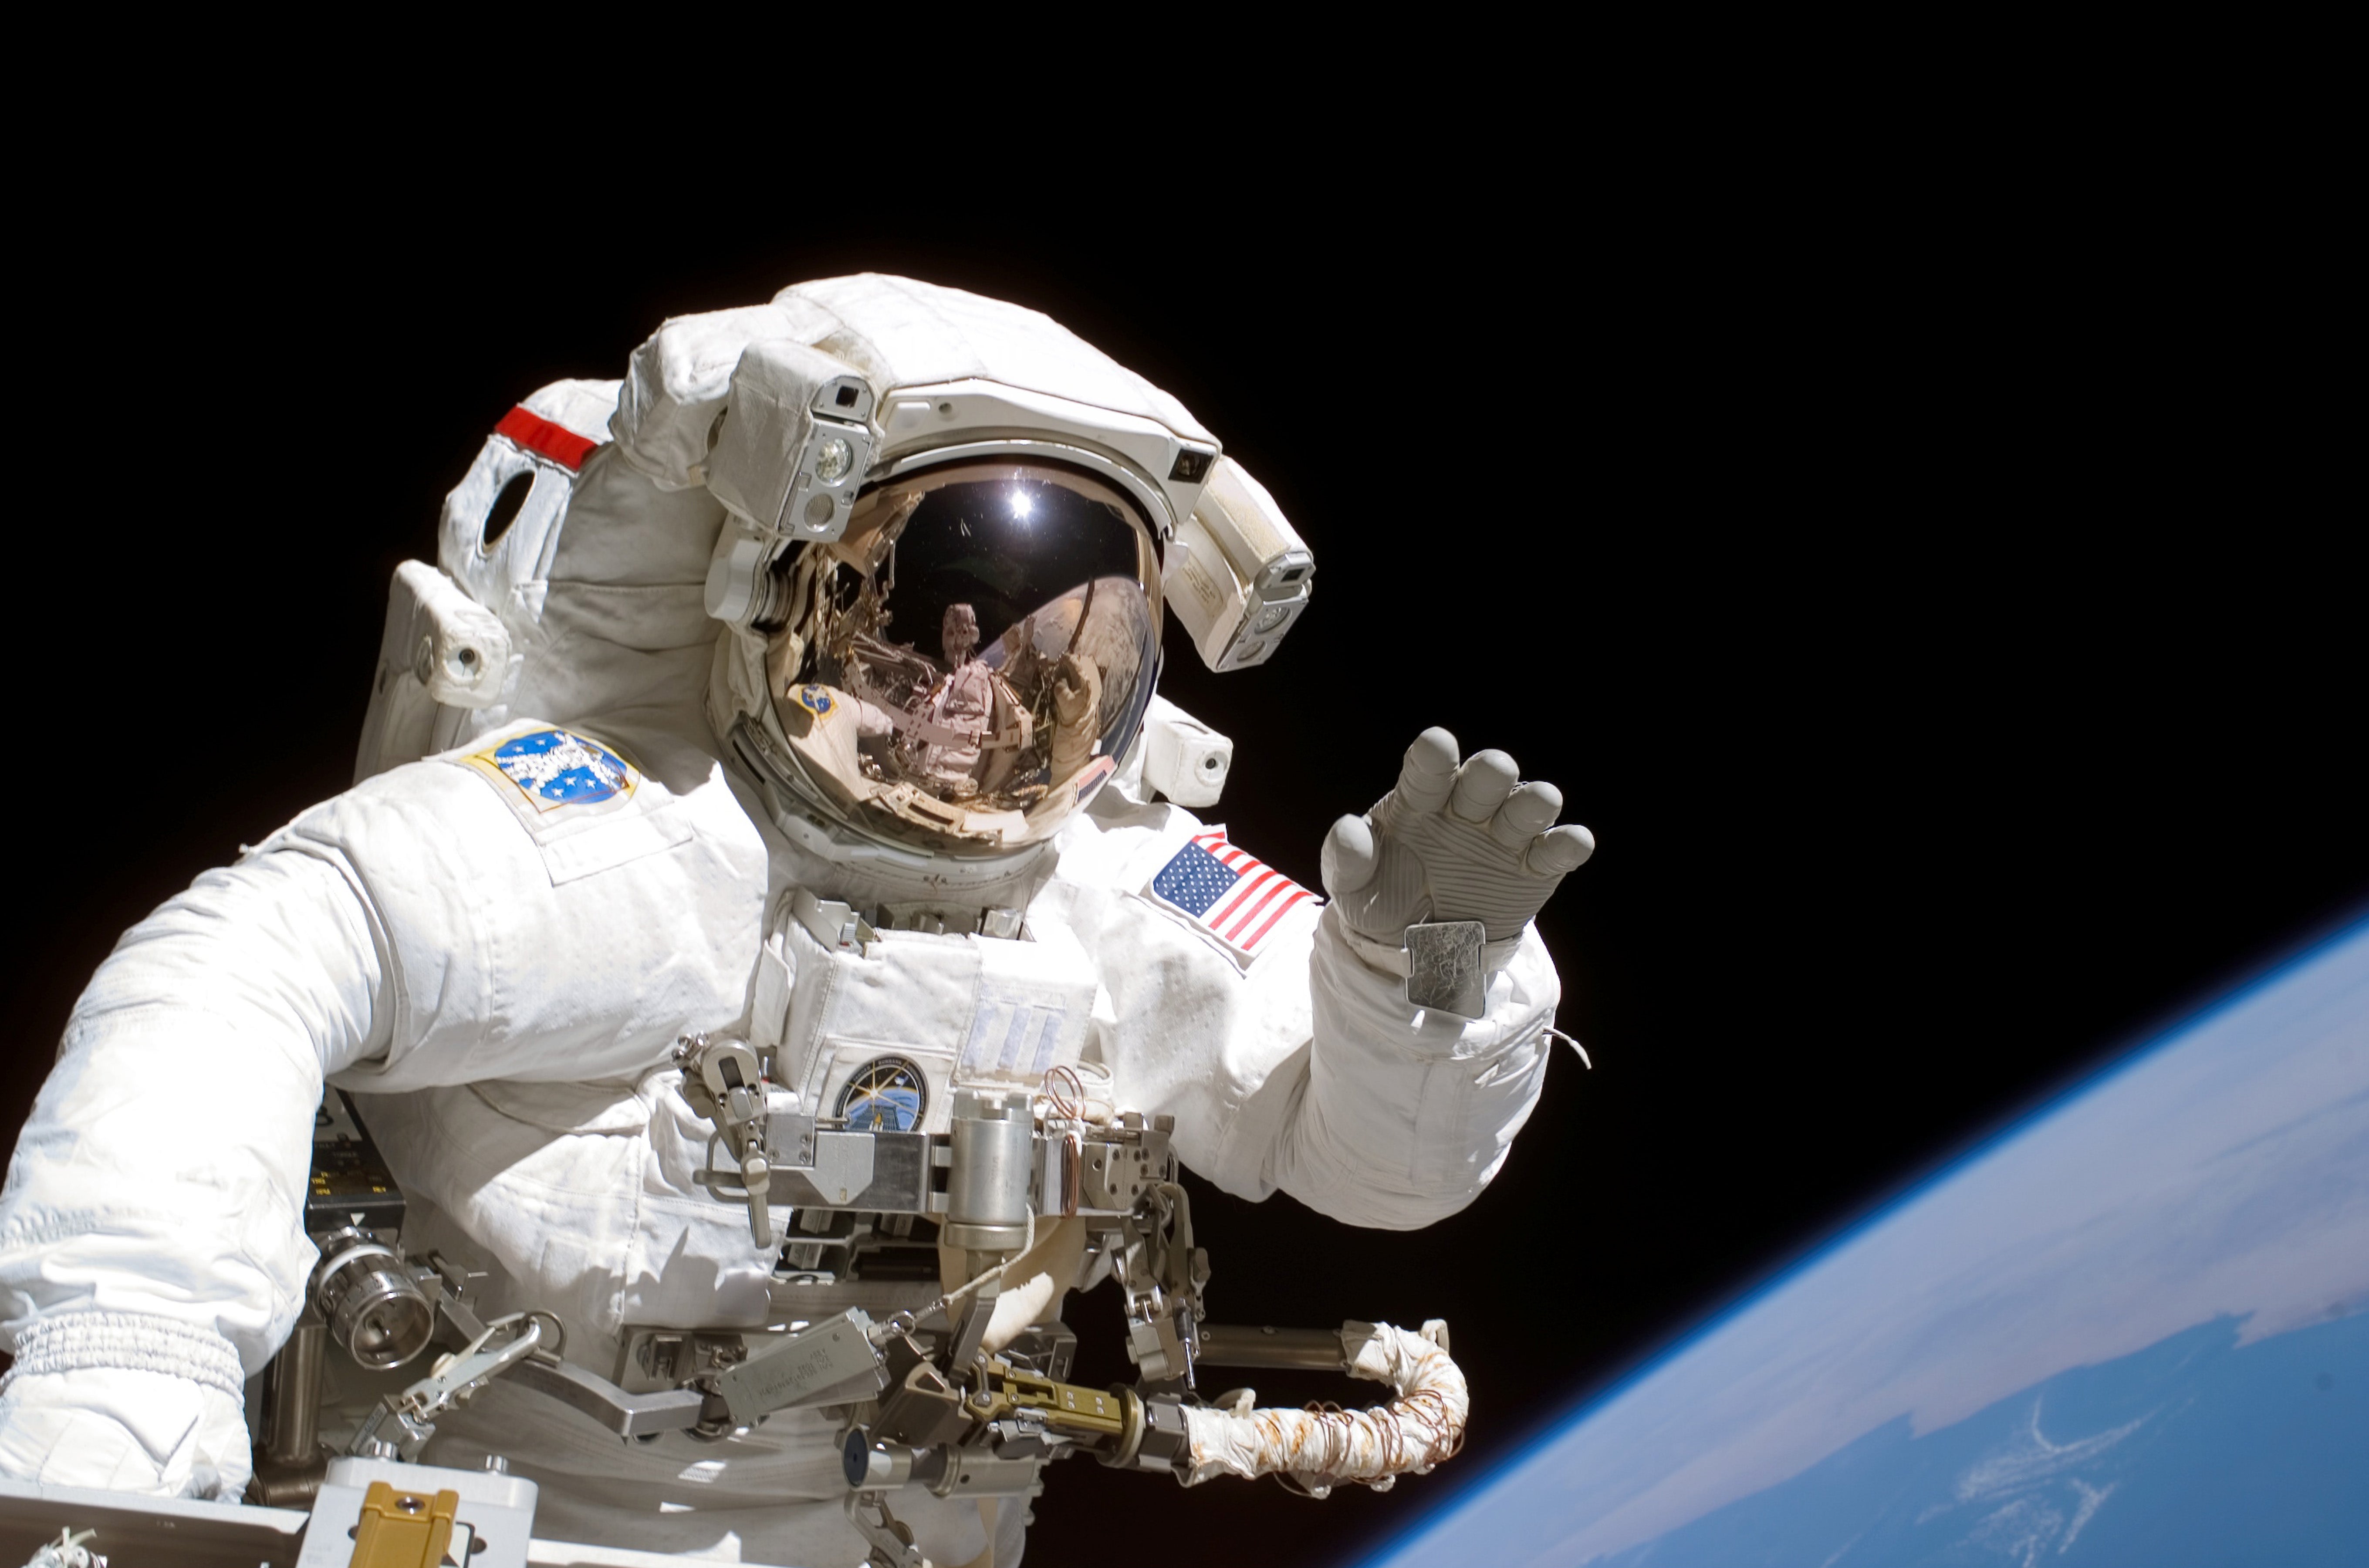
(1444, 973)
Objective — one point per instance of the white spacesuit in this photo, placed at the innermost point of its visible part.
(899, 827)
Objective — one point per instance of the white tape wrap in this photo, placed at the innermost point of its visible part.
(1323, 1448)
(70, 1342)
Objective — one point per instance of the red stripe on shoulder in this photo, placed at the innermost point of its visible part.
(1298, 894)
(540, 436)
(1260, 893)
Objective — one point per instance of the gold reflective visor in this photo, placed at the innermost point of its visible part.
(963, 668)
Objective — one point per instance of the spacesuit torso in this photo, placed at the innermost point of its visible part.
(499, 948)
(531, 1111)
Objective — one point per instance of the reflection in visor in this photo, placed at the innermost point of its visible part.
(991, 629)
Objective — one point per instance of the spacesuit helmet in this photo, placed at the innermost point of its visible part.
(952, 530)
(965, 665)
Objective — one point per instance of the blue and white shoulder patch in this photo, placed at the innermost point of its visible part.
(553, 769)
(581, 799)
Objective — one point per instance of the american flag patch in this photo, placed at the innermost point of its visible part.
(1227, 892)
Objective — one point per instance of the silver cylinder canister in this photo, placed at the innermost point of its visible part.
(296, 1396)
(375, 1311)
(992, 1144)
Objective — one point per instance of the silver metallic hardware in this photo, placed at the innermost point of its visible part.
(879, 1172)
(878, 1466)
(987, 1181)
(296, 1395)
(725, 1083)
(831, 1363)
(628, 1415)
(1236, 1345)
(453, 1382)
(832, 923)
(1162, 1273)
(375, 1312)
(890, 1539)
(824, 491)
(941, 919)
(790, 451)
(833, 458)
(1444, 969)
(1237, 576)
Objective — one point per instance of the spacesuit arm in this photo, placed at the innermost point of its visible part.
(422, 929)
(151, 1251)
(1304, 1070)
(1403, 1116)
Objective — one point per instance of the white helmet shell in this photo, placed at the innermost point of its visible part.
(890, 452)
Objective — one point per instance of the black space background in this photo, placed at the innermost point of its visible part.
(1924, 576)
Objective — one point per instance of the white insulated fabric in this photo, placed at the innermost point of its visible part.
(896, 331)
(614, 615)
(511, 1022)
(505, 573)
(993, 1015)
(1322, 1449)
(600, 580)
(116, 1429)
(162, 1169)
(502, 985)
(906, 333)
(597, 584)
(136, 1340)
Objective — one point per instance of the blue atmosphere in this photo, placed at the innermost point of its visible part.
(2130, 1330)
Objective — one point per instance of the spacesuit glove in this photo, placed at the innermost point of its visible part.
(116, 1429)
(1451, 842)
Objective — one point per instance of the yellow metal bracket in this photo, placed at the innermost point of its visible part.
(402, 1529)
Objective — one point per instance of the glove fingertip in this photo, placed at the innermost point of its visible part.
(1435, 753)
(1429, 770)
(1349, 856)
(1561, 850)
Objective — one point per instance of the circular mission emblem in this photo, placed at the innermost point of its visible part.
(885, 1094)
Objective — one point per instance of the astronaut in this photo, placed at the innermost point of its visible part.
(653, 755)
(949, 723)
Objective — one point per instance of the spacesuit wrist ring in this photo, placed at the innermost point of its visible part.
(139, 1342)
